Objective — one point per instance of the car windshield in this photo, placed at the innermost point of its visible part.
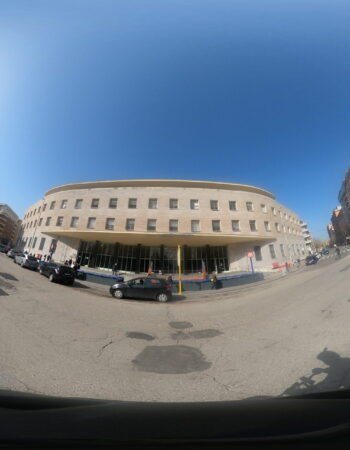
(171, 246)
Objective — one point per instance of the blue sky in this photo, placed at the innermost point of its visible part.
(254, 92)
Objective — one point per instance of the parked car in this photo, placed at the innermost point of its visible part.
(26, 261)
(12, 253)
(325, 251)
(143, 288)
(57, 272)
(4, 248)
(311, 259)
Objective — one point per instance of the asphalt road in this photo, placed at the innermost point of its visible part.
(219, 345)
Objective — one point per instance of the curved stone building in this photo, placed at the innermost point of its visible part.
(139, 223)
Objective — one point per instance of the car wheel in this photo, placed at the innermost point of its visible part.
(118, 293)
(51, 278)
(162, 297)
(40, 271)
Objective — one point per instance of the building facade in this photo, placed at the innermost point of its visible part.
(344, 197)
(139, 224)
(307, 237)
(340, 226)
(9, 225)
(331, 234)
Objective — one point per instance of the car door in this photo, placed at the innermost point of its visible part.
(152, 287)
(135, 288)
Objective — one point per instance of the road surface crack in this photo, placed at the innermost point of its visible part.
(225, 386)
(104, 347)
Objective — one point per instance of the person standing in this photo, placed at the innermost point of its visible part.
(214, 281)
(115, 269)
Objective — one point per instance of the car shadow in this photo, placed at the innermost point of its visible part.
(77, 284)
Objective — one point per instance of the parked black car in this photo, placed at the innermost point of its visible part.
(311, 259)
(4, 248)
(57, 272)
(143, 288)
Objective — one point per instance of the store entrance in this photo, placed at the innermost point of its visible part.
(140, 258)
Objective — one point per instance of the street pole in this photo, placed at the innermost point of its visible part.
(179, 266)
(251, 264)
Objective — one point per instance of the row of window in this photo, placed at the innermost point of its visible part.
(173, 224)
(173, 204)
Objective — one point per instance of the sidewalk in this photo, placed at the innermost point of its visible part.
(103, 288)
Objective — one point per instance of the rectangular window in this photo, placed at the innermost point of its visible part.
(113, 203)
(130, 224)
(52, 205)
(173, 203)
(194, 204)
(249, 206)
(173, 225)
(48, 220)
(34, 212)
(31, 224)
(132, 203)
(216, 225)
(273, 209)
(91, 222)
(95, 202)
(34, 242)
(40, 221)
(263, 208)
(63, 204)
(59, 221)
(232, 205)
(267, 226)
(42, 243)
(30, 241)
(277, 226)
(214, 205)
(78, 203)
(195, 226)
(74, 222)
(282, 250)
(252, 224)
(152, 203)
(151, 225)
(39, 209)
(272, 251)
(235, 225)
(35, 221)
(257, 252)
(110, 223)
(44, 207)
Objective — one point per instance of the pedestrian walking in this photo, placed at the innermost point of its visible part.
(115, 269)
(214, 281)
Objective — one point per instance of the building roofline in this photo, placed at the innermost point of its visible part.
(162, 183)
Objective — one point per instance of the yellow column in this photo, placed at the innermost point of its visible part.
(179, 266)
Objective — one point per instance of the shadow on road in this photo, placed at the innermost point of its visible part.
(80, 285)
(8, 276)
(334, 377)
(345, 268)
